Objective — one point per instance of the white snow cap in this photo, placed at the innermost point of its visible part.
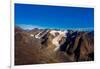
(56, 39)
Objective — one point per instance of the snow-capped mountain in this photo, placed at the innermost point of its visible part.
(51, 45)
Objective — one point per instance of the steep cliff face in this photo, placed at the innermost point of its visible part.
(52, 46)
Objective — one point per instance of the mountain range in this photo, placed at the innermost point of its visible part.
(40, 46)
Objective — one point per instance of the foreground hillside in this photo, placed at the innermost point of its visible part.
(40, 46)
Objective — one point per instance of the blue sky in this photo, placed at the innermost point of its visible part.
(30, 16)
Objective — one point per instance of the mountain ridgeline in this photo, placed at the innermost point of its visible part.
(41, 46)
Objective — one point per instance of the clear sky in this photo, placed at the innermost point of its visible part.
(44, 16)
